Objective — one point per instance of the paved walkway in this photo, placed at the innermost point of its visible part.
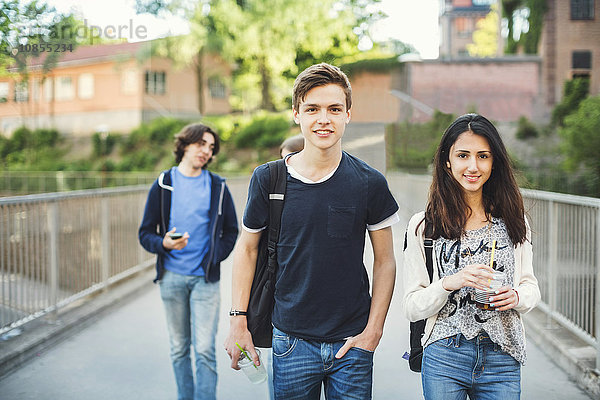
(123, 354)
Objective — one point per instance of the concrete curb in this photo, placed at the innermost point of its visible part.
(40, 335)
(569, 352)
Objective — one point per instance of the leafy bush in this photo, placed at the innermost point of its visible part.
(413, 145)
(264, 130)
(156, 132)
(24, 138)
(32, 150)
(526, 129)
(103, 144)
(142, 160)
(581, 134)
(224, 125)
(575, 91)
(46, 137)
(580, 182)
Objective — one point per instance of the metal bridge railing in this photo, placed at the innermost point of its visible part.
(566, 260)
(56, 248)
(13, 183)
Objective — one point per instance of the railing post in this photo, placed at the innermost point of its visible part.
(60, 181)
(597, 284)
(141, 251)
(105, 235)
(53, 257)
(552, 260)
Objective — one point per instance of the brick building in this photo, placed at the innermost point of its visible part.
(502, 89)
(110, 88)
(570, 46)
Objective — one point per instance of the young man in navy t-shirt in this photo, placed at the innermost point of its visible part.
(326, 324)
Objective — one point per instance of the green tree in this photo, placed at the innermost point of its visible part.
(581, 134)
(485, 38)
(38, 26)
(186, 49)
(508, 10)
(266, 36)
(32, 32)
(529, 38)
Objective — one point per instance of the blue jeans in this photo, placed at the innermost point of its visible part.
(454, 367)
(191, 307)
(301, 366)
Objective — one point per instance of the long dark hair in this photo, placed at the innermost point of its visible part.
(447, 209)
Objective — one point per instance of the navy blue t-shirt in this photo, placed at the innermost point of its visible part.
(322, 287)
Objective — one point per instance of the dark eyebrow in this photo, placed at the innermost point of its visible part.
(468, 151)
(318, 106)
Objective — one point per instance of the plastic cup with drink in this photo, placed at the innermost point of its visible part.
(256, 374)
(482, 297)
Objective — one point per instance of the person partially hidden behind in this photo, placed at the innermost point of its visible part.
(291, 145)
(189, 199)
(326, 324)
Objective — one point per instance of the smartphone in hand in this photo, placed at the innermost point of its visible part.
(175, 235)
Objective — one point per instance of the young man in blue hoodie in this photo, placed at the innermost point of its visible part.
(190, 224)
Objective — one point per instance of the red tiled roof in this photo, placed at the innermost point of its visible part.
(82, 53)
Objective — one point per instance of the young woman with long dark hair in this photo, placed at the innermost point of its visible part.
(474, 342)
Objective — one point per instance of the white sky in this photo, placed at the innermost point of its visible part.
(411, 21)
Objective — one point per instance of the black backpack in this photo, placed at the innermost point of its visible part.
(260, 305)
(417, 328)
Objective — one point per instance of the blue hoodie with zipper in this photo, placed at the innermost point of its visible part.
(223, 224)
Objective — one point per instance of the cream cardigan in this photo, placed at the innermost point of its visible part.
(424, 300)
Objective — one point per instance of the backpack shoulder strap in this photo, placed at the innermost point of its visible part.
(277, 186)
(428, 245)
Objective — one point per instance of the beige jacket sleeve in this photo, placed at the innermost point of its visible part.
(421, 299)
(526, 283)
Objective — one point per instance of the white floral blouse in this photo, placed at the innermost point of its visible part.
(460, 314)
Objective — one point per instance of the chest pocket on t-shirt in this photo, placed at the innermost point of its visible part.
(340, 221)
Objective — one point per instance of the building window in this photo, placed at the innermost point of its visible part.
(129, 81)
(462, 3)
(85, 86)
(581, 60)
(4, 92)
(64, 88)
(582, 9)
(464, 26)
(21, 92)
(155, 82)
(216, 88)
